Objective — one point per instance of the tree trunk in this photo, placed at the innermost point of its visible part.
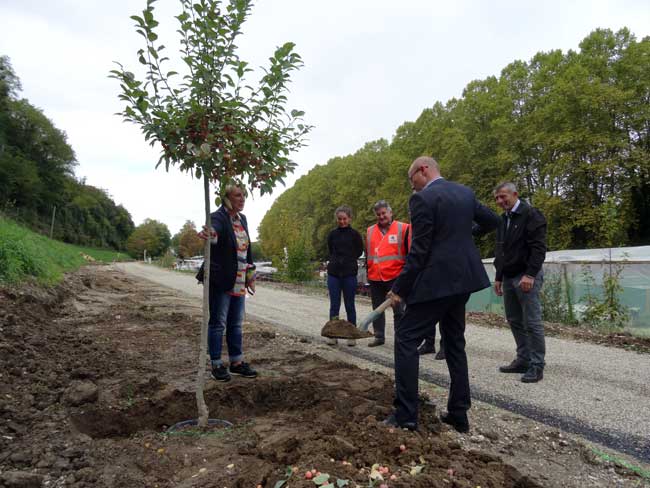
(200, 375)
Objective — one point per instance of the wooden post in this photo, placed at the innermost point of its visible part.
(52, 224)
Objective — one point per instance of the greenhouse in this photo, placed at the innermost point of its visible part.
(579, 275)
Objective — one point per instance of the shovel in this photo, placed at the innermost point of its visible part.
(342, 329)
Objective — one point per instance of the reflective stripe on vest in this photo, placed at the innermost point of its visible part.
(385, 267)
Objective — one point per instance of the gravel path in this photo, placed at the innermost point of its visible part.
(599, 392)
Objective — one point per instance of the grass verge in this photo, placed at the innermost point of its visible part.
(27, 255)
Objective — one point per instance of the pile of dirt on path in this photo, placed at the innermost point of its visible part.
(342, 329)
(94, 371)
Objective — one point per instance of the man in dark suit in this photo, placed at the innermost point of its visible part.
(442, 269)
(519, 255)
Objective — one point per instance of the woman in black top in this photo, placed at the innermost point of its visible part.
(345, 246)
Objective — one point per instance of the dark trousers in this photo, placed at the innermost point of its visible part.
(524, 314)
(347, 285)
(378, 292)
(431, 339)
(416, 324)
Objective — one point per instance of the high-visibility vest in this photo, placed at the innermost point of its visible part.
(386, 253)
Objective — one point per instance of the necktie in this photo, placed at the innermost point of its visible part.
(508, 218)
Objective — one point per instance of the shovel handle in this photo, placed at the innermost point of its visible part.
(374, 314)
(384, 305)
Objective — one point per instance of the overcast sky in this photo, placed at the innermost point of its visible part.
(369, 67)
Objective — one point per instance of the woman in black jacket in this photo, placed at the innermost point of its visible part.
(345, 246)
(232, 273)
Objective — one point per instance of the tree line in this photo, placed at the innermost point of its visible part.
(572, 130)
(37, 179)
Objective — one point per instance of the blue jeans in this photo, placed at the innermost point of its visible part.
(347, 285)
(226, 313)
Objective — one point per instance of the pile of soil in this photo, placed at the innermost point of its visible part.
(342, 329)
(95, 370)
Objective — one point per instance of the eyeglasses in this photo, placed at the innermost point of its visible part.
(421, 168)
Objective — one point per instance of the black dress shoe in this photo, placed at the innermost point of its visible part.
(376, 342)
(441, 355)
(517, 366)
(533, 375)
(459, 425)
(426, 348)
(391, 421)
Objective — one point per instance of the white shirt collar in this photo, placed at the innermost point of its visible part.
(432, 181)
(515, 206)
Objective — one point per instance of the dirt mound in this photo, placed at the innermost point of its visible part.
(342, 329)
(94, 371)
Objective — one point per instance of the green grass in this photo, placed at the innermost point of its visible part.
(27, 255)
(643, 473)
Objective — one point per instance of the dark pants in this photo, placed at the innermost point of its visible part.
(378, 292)
(347, 285)
(416, 324)
(524, 314)
(431, 339)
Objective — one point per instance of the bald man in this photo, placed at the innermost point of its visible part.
(442, 269)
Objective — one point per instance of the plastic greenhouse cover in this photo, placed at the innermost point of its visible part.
(629, 255)
(634, 263)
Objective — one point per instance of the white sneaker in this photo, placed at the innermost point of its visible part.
(352, 342)
(332, 342)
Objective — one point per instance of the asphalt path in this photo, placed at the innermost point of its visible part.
(600, 393)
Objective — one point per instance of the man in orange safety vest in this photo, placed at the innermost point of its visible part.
(387, 244)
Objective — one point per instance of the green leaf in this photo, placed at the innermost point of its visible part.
(340, 482)
(321, 478)
(280, 484)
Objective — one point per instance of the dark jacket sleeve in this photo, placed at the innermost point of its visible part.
(536, 241)
(485, 220)
(422, 226)
(358, 242)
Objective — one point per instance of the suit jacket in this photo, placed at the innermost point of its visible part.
(521, 246)
(443, 260)
(223, 254)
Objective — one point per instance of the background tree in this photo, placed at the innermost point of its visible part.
(258, 254)
(572, 130)
(150, 236)
(188, 243)
(37, 175)
(211, 122)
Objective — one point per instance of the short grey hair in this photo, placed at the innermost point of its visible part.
(231, 186)
(382, 204)
(345, 209)
(425, 161)
(506, 185)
